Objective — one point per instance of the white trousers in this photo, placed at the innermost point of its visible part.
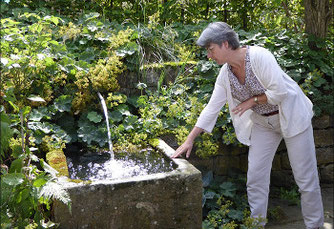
(265, 138)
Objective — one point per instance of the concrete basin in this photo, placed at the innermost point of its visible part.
(162, 200)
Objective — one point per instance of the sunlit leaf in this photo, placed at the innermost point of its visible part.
(63, 103)
(36, 98)
(13, 179)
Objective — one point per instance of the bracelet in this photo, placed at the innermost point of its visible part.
(256, 100)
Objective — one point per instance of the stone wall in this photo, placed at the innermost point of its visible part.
(234, 158)
(128, 80)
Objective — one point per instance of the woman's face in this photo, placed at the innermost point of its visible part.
(218, 53)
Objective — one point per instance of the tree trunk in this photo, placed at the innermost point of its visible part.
(225, 12)
(207, 10)
(318, 14)
(182, 13)
(285, 5)
(244, 15)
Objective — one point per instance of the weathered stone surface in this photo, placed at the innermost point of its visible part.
(322, 122)
(282, 178)
(327, 173)
(163, 200)
(285, 163)
(223, 163)
(323, 138)
(57, 159)
(231, 150)
(244, 162)
(277, 162)
(325, 155)
(203, 164)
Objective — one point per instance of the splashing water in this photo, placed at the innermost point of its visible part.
(104, 106)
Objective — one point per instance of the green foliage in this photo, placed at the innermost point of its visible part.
(25, 182)
(292, 195)
(225, 203)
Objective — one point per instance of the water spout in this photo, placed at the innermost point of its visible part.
(104, 106)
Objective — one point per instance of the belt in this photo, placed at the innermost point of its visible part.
(270, 114)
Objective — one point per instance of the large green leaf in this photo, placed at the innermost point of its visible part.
(94, 117)
(13, 179)
(63, 103)
(228, 189)
(6, 133)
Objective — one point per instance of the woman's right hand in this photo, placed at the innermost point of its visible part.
(188, 144)
(185, 147)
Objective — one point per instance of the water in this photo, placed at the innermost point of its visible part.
(105, 110)
(100, 166)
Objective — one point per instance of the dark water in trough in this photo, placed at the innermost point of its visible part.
(100, 165)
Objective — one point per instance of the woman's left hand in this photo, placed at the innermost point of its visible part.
(244, 106)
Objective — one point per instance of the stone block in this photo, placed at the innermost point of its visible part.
(327, 174)
(325, 155)
(285, 163)
(244, 162)
(223, 163)
(277, 162)
(322, 122)
(323, 138)
(282, 178)
(232, 150)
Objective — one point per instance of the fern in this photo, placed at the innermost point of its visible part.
(53, 190)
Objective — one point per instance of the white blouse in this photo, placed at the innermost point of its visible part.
(250, 88)
(295, 109)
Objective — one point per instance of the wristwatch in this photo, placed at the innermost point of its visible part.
(256, 100)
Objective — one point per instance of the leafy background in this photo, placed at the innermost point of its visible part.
(56, 56)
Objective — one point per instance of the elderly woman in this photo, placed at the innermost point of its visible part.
(266, 105)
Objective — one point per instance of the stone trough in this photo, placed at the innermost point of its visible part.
(162, 200)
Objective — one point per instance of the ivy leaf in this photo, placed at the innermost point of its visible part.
(16, 166)
(207, 178)
(6, 133)
(13, 179)
(116, 116)
(38, 114)
(63, 103)
(39, 182)
(235, 214)
(94, 117)
(228, 189)
(91, 16)
(36, 98)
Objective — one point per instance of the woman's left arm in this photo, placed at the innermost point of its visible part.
(248, 104)
(270, 74)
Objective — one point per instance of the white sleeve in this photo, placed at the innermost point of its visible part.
(270, 75)
(209, 115)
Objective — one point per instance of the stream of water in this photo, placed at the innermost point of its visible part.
(104, 165)
(104, 106)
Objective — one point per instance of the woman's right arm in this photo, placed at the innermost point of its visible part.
(207, 119)
(188, 144)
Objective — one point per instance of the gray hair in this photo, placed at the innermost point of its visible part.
(217, 33)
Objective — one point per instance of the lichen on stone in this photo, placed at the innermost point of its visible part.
(57, 160)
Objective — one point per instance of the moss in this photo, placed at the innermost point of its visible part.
(77, 181)
(166, 64)
(57, 160)
(154, 142)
